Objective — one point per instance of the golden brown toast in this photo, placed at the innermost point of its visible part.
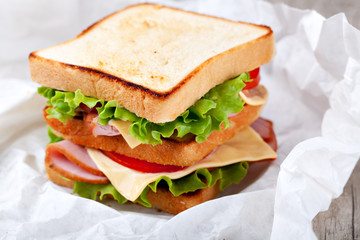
(155, 61)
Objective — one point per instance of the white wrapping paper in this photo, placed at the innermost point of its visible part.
(314, 85)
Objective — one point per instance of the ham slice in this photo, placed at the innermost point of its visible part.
(264, 128)
(70, 170)
(98, 129)
(106, 130)
(76, 154)
(73, 162)
(255, 96)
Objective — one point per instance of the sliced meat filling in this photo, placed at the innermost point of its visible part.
(73, 162)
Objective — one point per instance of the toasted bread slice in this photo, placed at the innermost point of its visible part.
(163, 199)
(170, 152)
(155, 61)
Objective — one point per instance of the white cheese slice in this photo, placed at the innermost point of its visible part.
(123, 128)
(255, 96)
(247, 145)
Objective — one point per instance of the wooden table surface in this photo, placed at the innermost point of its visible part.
(342, 220)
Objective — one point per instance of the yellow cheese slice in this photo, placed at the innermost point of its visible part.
(247, 145)
(123, 128)
(255, 96)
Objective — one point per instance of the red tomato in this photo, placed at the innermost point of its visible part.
(255, 76)
(141, 165)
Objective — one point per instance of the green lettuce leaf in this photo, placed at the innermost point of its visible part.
(200, 179)
(53, 137)
(201, 119)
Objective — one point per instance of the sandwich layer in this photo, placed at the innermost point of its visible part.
(160, 197)
(245, 146)
(163, 199)
(166, 59)
(170, 152)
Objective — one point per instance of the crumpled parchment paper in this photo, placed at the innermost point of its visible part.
(314, 86)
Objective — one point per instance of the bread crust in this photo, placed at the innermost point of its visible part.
(169, 152)
(55, 177)
(155, 105)
(163, 199)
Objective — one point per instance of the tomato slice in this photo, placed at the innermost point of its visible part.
(141, 165)
(255, 76)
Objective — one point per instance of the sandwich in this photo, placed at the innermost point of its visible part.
(156, 106)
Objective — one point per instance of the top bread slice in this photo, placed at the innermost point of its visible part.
(154, 60)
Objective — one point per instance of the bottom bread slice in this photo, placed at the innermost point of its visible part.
(162, 199)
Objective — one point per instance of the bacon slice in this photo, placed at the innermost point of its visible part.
(72, 161)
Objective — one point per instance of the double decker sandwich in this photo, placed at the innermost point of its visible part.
(153, 105)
